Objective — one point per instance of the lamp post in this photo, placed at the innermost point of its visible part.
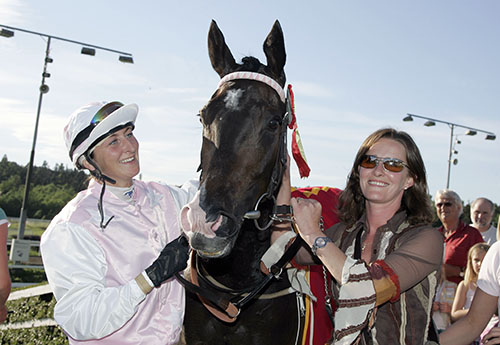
(470, 131)
(87, 49)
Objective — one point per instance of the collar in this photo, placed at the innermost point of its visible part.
(112, 194)
(460, 228)
(123, 193)
(392, 224)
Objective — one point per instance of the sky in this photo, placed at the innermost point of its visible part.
(355, 66)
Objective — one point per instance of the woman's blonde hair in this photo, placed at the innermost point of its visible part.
(471, 276)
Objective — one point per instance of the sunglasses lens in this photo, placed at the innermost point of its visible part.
(105, 111)
(393, 165)
(369, 162)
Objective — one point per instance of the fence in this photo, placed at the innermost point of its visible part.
(27, 251)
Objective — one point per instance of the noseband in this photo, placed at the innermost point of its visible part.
(280, 163)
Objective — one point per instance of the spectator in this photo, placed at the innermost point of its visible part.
(459, 237)
(467, 287)
(110, 254)
(485, 304)
(481, 215)
(441, 308)
(5, 283)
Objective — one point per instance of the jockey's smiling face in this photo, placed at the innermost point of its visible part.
(118, 157)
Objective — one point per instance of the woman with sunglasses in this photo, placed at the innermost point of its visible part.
(384, 255)
(110, 254)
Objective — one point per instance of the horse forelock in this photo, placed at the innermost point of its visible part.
(252, 64)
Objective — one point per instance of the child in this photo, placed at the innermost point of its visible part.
(467, 287)
(441, 308)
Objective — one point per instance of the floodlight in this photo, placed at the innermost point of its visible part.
(6, 33)
(126, 59)
(88, 51)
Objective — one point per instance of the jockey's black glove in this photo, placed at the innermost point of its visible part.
(173, 258)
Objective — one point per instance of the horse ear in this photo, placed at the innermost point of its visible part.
(220, 56)
(274, 48)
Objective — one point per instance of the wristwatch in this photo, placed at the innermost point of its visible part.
(320, 242)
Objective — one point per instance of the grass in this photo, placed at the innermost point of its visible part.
(32, 229)
(27, 309)
(31, 308)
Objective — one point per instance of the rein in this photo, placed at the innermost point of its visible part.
(228, 309)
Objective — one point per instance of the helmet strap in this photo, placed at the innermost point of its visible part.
(103, 178)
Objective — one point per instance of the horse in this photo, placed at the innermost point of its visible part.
(243, 156)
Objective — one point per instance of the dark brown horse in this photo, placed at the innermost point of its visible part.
(242, 160)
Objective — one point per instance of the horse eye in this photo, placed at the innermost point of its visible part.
(274, 124)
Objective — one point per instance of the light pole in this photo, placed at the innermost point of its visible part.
(87, 49)
(470, 131)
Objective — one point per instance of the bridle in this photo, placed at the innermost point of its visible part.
(229, 309)
(280, 162)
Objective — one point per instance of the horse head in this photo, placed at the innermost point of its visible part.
(243, 126)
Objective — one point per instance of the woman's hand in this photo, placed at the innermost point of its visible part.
(435, 306)
(445, 307)
(307, 214)
(285, 192)
(493, 336)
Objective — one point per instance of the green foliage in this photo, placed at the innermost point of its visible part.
(34, 336)
(31, 308)
(27, 275)
(28, 309)
(50, 189)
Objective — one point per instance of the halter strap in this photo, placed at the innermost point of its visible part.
(255, 76)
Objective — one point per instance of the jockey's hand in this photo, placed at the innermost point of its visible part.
(173, 258)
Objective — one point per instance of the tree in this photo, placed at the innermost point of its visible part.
(50, 189)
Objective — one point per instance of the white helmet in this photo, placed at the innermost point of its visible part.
(92, 123)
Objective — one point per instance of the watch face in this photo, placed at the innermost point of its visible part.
(320, 242)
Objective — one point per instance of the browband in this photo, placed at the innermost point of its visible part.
(255, 76)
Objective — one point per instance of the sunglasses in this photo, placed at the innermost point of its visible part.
(390, 164)
(104, 112)
(445, 204)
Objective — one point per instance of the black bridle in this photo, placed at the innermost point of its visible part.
(279, 168)
(212, 292)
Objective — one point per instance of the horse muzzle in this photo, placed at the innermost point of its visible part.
(211, 239)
